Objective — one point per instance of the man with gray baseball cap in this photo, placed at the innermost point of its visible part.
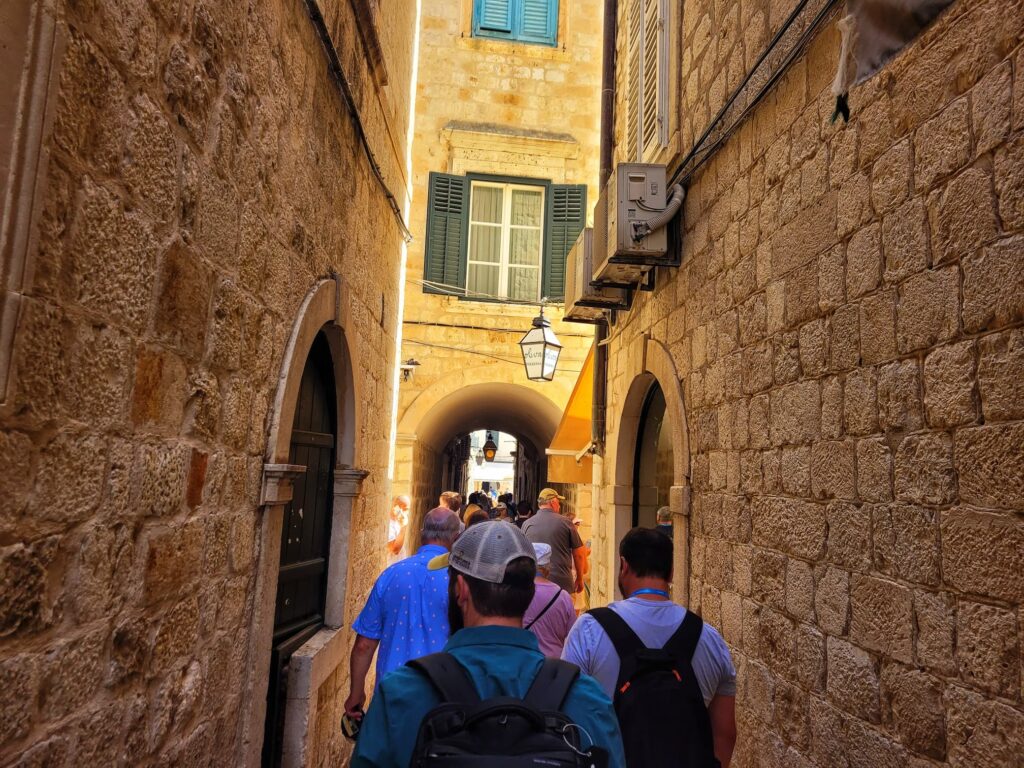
(491, 570)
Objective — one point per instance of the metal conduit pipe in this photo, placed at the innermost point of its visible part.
(597, 420)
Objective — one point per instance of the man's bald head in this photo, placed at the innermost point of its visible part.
(403, 501)
(441, 526)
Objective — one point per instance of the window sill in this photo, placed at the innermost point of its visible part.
(514, 48)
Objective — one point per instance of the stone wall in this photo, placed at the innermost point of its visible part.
(847, 328)
(492, 106)
(200, 173)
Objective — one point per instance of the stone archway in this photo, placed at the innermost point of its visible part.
(323, 311)
(653, 365)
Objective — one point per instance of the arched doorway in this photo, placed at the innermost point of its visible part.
(300, 606)
(653, 460)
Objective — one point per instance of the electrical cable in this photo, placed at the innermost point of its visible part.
(335, 68)
(485, 328)
(478, 354)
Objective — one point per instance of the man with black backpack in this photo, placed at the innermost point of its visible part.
(670, 675)
(491, 698)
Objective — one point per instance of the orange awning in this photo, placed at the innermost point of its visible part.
(568, 458)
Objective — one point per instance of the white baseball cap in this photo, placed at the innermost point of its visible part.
(543, 553)
(484, 550)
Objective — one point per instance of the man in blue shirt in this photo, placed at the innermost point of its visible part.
(406, 614)
(491, 573)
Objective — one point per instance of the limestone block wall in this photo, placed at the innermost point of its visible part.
(493, 106)
(200, 172)
(847, 329)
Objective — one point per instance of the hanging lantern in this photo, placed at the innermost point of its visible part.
(490, 449)
(541, 349)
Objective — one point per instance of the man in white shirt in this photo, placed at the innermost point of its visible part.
(397, 524)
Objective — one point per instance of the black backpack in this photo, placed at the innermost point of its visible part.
(502, 732)
(657, 698)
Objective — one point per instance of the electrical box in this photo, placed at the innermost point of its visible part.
(585, 303)
(634, 193)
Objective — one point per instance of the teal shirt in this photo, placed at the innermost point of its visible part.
(501, 661)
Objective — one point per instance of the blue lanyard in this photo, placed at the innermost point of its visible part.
(660, 592)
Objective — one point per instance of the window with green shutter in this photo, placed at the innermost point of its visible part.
(528, 21)
(499, 238)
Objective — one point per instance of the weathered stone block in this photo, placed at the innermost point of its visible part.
(906, 542)
(891, 177)
(935, 615)
(832, 601)
(854, 203)
(801, 295)
(71, 675)
(172, 560)
(864, 261)
(795, 470)
(16, 481)
(990, 465)
(990, 109)
(768, 578)
(1001, 376)
(853, 684)
(949, 385)
(832, 470)
(71, 471)
(831, 284)
(849, 535)
(177, 635)
(791, 715)
(810, 658)
(831, 408)
(943, 144)
(793, 526)
(757, 368)
(158, 397)
(129, 648)
(924, 469)
(26, 602)
(881, 617)
(962, 216)
(1000, 574)
(981, 731)
(844, 340)
(994, 285)
(799, 590)
(905, 241)
(878, 327)
(915, 699)
(860, 408)
(899, 396)
(19, 680)
(160, 479)
(874, 470)
(813, 348)
(777, 641)
(929, 309)
(987, 649)
(1009, 181)
(796, 413)
(811, 231)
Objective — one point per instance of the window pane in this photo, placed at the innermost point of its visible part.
(482, 278)
(486, 204)
(484, 243)
(524, 247)
(526, 207)
(523, 284)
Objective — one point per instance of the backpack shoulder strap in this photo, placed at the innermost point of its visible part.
(683, 642)
(544, 610)
(448, 676)
(552, 685)
(619, 632)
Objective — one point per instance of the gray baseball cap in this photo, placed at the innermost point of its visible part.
(484, 550)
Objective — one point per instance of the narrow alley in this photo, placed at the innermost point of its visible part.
(336, 333)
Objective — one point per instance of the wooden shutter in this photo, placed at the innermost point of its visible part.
(651, 77)
(444, 254)
(494, 15)
(539, 21)
(567, 215)
(634, 102)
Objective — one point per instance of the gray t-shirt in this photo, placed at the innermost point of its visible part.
(654, 621)
(548, 527)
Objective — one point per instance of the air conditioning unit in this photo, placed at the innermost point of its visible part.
(585, 303)
(629, 220)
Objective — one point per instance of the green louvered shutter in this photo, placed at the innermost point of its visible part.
(444, 254)
(567, 215)
(539, 23)
(494, 15)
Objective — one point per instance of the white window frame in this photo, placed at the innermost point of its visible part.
(506, 227)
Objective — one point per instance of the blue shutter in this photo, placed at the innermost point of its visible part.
(567, 215)
(493, 15)
(444, 252)
(538, 21)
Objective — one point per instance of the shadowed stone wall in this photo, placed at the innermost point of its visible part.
(847, 328)
(200, 172)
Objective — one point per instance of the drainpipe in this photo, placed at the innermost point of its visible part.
(597, 420)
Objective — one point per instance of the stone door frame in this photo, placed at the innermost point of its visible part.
(324, 309)
(649, 362)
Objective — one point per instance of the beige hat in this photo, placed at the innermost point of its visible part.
(548, 494)
(484, 550)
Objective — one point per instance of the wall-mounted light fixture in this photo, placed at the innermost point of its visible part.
(541, 349)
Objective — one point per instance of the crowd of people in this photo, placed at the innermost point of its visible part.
(481, 651)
